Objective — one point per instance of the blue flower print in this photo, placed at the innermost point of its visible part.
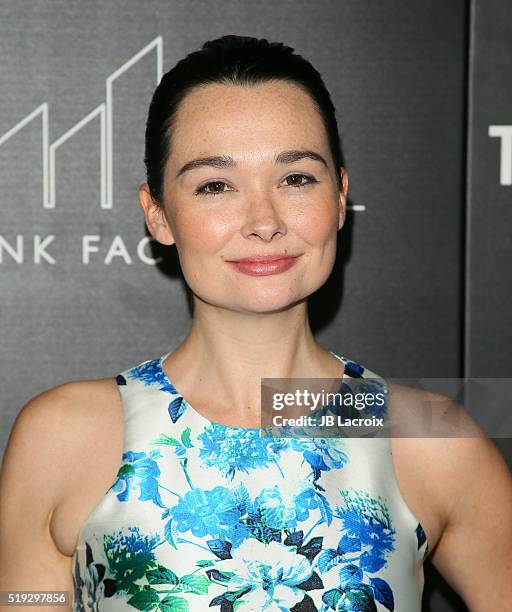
(129, 556)
(233, 519)
(309, 499)
(272, 572)
(275, 510)
(151, 373)
(270, 510)
(140, 471)
(367, 538)
(216, 513)
(322, 454)
(231, 450)
(353, 369)
(368, 520)
(374, 388)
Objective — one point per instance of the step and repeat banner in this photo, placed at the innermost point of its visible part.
(489, 192)
(421, 286)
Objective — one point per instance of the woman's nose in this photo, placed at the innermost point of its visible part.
(263, 218)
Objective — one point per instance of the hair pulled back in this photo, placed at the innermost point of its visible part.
(237, 60)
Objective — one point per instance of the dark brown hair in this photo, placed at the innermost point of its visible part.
(237, 60)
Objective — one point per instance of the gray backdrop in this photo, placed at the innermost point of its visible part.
(421, 287)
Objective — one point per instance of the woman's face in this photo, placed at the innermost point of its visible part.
(249, 204)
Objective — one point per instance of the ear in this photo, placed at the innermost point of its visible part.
(154, 215)
(342, 201)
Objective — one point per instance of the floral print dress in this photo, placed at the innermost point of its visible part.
(204, 516)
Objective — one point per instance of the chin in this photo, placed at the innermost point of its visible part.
(271, 304)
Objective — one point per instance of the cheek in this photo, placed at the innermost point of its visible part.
(202, 233)
(317, 224)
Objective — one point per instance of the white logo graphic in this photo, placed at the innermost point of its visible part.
(505, 133)
(104, 110)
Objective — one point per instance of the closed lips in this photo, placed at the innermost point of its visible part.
(263, 258)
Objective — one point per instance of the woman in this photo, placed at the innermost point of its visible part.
(156, 489)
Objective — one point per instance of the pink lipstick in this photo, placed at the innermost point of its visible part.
(263, 265)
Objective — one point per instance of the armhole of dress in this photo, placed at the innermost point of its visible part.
(415, 524)
(102, 500)
(422, 541)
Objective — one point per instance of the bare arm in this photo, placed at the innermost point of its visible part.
(474, 553)
(31, 484)
(465, 478)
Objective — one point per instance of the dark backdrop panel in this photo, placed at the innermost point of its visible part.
(489, 313)
(488, 326)
(397, 74)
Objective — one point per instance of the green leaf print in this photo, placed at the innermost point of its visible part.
(145, 599)
(129, 558)
(126, 470)
(193, 583)
(163, 440)
(174, 604)
(148, 598)
(205, 563)
(185, 438)
(161, 575)
(331, 598)
(360, 598)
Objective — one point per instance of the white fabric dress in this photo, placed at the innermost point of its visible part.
(204, 516)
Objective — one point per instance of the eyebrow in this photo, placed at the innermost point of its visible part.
(226, 161)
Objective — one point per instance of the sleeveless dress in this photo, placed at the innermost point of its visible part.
(204, 516)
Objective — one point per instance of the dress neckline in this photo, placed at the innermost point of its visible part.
(198, 415)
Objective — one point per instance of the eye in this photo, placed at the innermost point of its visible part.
(202, 190)
(309, 180)
(212, 188)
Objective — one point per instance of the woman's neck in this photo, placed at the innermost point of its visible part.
(219, 365)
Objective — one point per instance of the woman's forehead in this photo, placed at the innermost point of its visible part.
(216, 101)
(274, 115)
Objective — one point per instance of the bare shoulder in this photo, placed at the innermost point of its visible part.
(57, 420)
(55, 439)
(54, 429)
(467, 481)
(438, 442)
